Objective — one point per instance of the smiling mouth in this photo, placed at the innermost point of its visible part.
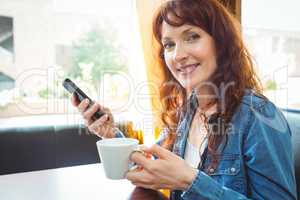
(188, 69)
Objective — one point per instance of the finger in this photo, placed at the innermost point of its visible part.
(141, 176)
(96, 125)
(88, 122)
(83, 105)
(144, 148)
(142, 179)
(74, 100)
(140, 159)
(91, 111)
(136, 168)
(158, 151)
(100, 121)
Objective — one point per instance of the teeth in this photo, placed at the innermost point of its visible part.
(188, 69)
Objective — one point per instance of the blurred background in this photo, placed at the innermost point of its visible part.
(95, 43)
(106, 48)
(99, 45)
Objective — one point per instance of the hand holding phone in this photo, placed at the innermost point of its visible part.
(98, 119)
(72, 88)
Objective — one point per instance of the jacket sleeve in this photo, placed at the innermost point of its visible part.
(268, 161)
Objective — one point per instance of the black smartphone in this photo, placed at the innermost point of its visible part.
(72, 88)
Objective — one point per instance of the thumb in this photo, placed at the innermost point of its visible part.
(158, 151)
(74, 100)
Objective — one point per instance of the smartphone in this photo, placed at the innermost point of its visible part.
(72, 88)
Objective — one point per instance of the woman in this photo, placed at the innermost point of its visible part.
(222, 138)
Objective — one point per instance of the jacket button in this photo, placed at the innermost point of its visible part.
(233, 170)
(211, 170)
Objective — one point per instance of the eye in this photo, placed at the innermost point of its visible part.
(168, 45)
(192, 37)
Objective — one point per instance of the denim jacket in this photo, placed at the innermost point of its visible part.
(256, 163)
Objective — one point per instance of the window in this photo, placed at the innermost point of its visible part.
(272, 33)
(93, 42)
(6, 39)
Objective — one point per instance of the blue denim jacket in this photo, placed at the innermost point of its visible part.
(256, 163)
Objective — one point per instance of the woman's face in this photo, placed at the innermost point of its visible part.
(189, 54)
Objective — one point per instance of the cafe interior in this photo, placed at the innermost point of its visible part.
(46, 151)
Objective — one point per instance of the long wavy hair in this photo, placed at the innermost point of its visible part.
(234, 65)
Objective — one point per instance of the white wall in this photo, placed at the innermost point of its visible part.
(38, 27)
(32, 34)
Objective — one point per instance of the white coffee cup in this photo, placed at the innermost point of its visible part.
(115, 156)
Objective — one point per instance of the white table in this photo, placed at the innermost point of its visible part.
(85, 182)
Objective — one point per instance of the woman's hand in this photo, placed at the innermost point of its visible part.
(102, 127)
(169, 171)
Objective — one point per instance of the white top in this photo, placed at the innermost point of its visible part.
(192, 154)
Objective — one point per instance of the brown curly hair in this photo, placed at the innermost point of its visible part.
(235, 66)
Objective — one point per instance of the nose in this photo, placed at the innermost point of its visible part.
(179, 54)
